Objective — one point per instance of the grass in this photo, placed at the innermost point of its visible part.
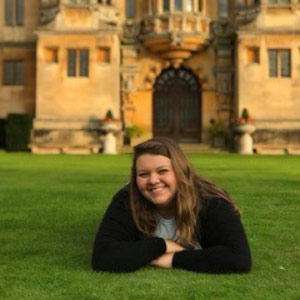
(51, 206)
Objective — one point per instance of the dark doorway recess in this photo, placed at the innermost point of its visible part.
(177, 106)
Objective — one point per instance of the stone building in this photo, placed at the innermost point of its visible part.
(168, 66)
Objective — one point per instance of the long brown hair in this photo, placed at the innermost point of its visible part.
(192, 192)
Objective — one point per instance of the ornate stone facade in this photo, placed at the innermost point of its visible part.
(226, 48)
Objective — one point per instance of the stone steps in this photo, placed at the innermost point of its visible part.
(277, 149)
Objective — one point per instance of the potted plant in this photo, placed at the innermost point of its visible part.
(131, 132)
(218, 133)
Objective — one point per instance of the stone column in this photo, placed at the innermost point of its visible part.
(150, 7)
(159, 5)
(204, 7)
(196, 6)
(171, 6)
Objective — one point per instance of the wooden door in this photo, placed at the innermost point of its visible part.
(177, 106)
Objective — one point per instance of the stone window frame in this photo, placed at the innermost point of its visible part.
(78, 62)
(13, 72)
(255, 51)
(79, 2)
(14, 12)
(275, 57)
(130, 9)
(52, 54)
(105, 2)
(104, 54)
(175, 6)
(223, 7)
(279, 2)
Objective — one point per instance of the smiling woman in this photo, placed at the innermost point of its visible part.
(170, 217)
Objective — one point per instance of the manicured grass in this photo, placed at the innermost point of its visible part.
(51, 206)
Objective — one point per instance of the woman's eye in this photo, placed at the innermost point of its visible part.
(162, 171)
(143, 175)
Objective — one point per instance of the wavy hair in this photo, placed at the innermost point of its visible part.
(191, 195)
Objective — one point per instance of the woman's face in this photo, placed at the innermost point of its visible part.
(156, 179)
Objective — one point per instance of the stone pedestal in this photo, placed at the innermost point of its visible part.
(245, 141)
(110, 141)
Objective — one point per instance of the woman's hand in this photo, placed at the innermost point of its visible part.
(173, 247)
(164, 261)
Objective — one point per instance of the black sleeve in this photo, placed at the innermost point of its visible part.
(118, 246)
(224, 242)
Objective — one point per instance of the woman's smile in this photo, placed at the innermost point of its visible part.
(156, 179)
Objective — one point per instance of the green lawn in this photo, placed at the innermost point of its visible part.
(51, 206)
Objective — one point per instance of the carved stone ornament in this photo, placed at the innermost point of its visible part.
(48, 10)
(177, 38)
(246, 14)
(224, 83)
(127, 81)
(221, 29)
(131, 32)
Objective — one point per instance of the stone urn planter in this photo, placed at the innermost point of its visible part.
(110, 128)
(245, 140)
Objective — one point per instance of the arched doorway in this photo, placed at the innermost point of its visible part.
(177, 105)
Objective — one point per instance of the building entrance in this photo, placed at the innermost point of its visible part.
(177, 106)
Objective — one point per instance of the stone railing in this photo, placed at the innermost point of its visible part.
(185, 23)
(292, 5)
(176, 35)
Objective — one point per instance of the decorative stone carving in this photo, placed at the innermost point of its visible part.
(48, 10)
(246, 14)
(128, 85)
(107, 16)
(175, 37)
(222, 30)
(131, 32)
(223, 35)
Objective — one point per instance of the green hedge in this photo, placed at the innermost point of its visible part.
(17, 132)
(2, 133)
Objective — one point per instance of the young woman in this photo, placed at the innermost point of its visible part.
(169, 217)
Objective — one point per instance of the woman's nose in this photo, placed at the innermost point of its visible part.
(154, 178)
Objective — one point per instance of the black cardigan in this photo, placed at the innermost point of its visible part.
(119, 247)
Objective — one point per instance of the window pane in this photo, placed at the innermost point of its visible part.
(188, 5)
(8, 12)
(85, 1)
(200, 5)
(285, 1)
(285, 63)
(130, 9)
(84, 63)
(19, 73)
(166, 5)
(178, 4)
(8, 77)
(273, 67)
(223, 8)
(272, 1)
(72, 63)
(20, 12)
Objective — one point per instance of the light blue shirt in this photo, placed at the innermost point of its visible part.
(166, 229)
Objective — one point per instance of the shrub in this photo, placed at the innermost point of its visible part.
(133, 131)
(2, 133)
(17, 132)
